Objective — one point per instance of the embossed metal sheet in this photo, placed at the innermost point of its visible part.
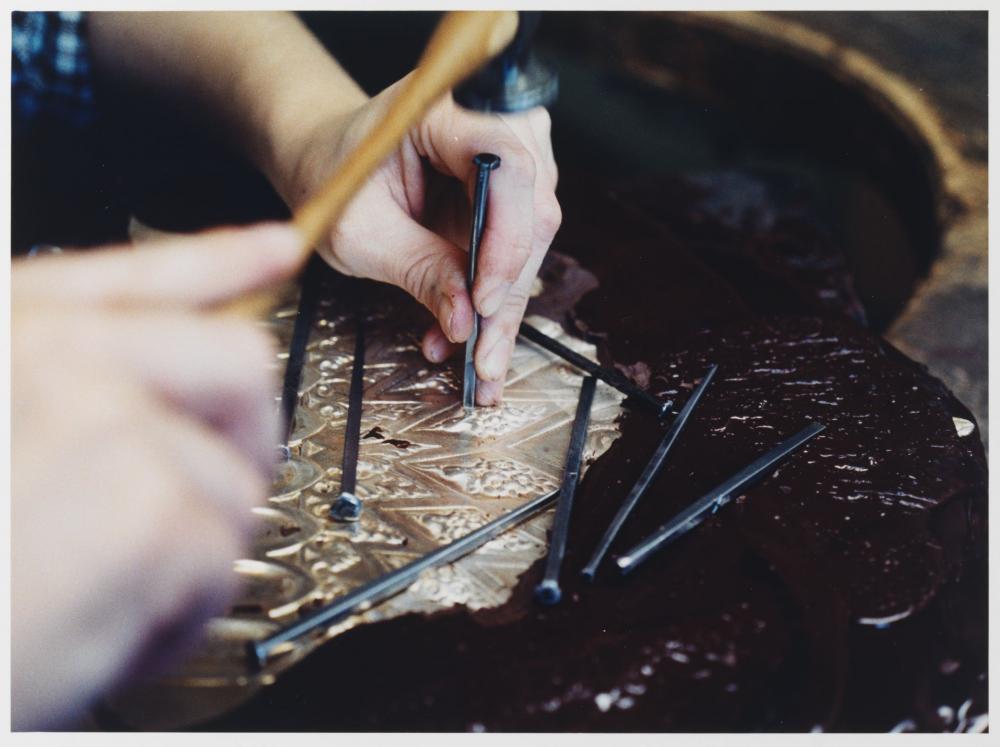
(428, 473)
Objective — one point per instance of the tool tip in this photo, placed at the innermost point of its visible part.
(256, 655)
(588, 573)
(548, 592)
(625, 563)
(347, 507)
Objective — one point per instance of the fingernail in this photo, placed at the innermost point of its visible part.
(493, 299)
(446, 316)
(495, 365)
(436, 351)
(488, 393)
(458, 323)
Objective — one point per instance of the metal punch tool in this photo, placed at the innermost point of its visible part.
(548, 591)
(719, 496)
(485, 163)
(347, 507)
(648, 475)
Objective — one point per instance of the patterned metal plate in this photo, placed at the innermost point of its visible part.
(428, 473)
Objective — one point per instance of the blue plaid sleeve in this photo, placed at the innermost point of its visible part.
(50, 68)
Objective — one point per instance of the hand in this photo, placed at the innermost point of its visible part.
(410, 224)
(143, 431)
(260, 76)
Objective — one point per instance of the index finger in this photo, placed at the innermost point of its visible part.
(189, 271)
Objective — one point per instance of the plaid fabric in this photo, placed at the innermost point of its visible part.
(50, 68)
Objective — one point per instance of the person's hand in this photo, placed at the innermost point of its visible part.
(143, 431)
(410, 224)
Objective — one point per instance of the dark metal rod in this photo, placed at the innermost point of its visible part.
(647, 476)
(548, 591)
(308, 301)
(719, 496)
(347, 507)
(608, 376)
(392, 583)
(485, 163)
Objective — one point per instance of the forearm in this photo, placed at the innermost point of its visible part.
(261, 78)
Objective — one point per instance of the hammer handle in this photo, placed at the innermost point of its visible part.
(462, 43)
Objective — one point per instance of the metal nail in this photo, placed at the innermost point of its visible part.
(659, 407)
(485, 163)
(308, 301)
(719, 496)
(347, 507)
(548, 591)
(647, 476)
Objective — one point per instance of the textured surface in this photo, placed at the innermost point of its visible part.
(428, 473)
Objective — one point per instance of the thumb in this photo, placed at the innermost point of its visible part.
(427, 266)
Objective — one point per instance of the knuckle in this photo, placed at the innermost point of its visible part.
(517, 300)
(417, 278)
(543, 119)
(548, 218)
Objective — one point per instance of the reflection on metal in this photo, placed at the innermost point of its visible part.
(428, 473)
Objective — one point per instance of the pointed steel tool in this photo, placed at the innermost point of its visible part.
(347, 507)
(659, 407)
(308, 300)
(719, 496)
(485, 163)
(548, 591)
(394, 582)
(647, 476)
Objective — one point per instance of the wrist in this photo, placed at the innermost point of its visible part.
(300, 122)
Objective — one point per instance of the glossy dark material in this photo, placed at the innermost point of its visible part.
(693, 515)
(847, 592)
(648, 475)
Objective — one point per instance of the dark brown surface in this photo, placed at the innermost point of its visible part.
(804, 576)
(943, 55)
(845, 592)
